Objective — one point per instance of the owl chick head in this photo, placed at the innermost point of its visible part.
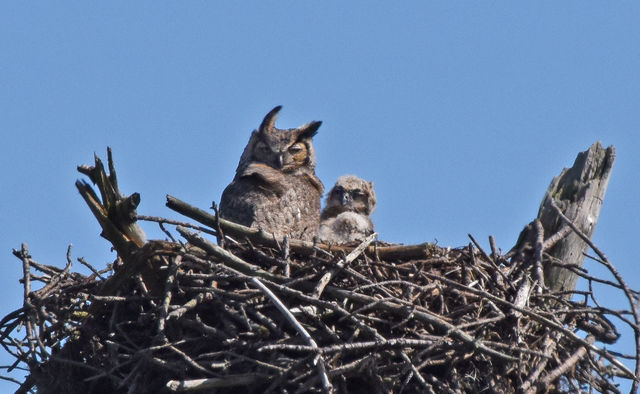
(285, 150)
(350, 194)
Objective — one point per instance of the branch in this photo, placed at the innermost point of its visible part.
(303, 248)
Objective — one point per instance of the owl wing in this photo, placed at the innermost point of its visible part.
(251, 188)
(266, 177)
(234, 204)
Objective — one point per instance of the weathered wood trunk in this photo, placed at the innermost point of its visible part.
(578, 192)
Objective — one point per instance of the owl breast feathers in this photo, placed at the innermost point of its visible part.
(275, 187)
(345, 217)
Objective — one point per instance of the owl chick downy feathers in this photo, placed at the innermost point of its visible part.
(345, 217)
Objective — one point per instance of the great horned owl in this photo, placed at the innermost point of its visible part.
(345, 217)
(275, 187)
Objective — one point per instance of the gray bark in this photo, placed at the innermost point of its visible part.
(578, 192)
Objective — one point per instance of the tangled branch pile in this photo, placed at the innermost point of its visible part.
(250, 314)
(454, 321)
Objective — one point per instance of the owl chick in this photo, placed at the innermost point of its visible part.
(275, 187)
(345, 217)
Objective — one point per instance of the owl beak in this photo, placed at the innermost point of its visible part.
(280, 161)
(346, 199)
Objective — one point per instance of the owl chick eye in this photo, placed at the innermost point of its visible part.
(357, 194)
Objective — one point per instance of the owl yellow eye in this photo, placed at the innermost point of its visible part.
(295, 149)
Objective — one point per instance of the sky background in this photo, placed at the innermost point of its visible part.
(460, 112)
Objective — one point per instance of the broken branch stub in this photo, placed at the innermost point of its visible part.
(115, 212)
(578, 192)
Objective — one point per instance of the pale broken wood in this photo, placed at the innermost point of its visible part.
(578, 192)
(115, 212)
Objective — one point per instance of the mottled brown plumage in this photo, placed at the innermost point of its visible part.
(345, 217)
(275, 187)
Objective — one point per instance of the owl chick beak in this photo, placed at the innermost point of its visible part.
(346, 198)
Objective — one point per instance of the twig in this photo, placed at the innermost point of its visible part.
(285, 256)
(86, 264)
(539, 247)
(625, 288)
(568, 333)
(212, 383)
(161, 220)
(490, 260)
(568, 363)
(174, 263)
(326, 384)
(326, 278)
(220, 233)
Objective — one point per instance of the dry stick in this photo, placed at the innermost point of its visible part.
(568, 333)
(557, 237)
(197, 324)
(326, 384)
(86, 264)
(26, 270)
(161, 220)
(634, 292)
(522, 296)
(396, 282)
(166, 301)
(246, 379)
(229, 258)
(550, 345)
(326, 278)
(285, 256)
(220, 235)
(625, 288)
(167, 233)
(568, 363)
(279, 369)
(55, 279)
(93, 297)
(538, 254)
(494, 247)
(190, 361)
(581, 272)
(490, 260)
(306, 248)
(189, 305)
(352, 346)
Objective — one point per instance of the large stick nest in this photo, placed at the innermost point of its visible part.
(234, 314)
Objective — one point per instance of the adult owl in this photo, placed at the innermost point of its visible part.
(345, 217)
(275, 187)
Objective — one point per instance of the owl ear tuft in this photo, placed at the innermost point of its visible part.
(269, 121)
(309, 130)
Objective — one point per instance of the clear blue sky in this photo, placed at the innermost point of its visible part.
(460, 112)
